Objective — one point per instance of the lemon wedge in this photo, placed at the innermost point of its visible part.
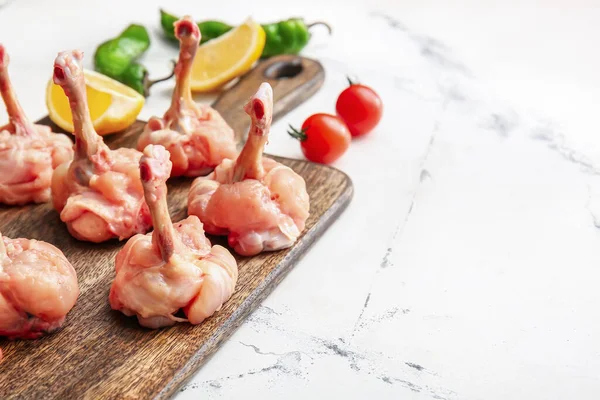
(227, 57)
(113, 106)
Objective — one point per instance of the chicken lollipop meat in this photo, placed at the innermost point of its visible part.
(173, 268)
(259, 203)
(99, 194)
(38, 287)
(196, 135)
(29, 153)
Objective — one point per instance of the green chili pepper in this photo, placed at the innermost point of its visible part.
(209, 29)
(284, 37)
(116, 58)
(213, 29)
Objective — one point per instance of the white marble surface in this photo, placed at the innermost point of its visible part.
(466, 266)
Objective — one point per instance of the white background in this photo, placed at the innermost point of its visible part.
(471, 233)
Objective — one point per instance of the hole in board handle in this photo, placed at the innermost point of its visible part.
(284, 69)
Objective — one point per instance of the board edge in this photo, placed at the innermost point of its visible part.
(261, 292)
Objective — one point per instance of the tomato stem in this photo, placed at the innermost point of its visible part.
(350, 81)
(296, 134)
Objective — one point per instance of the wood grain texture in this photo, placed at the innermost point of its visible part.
(100, 353)
(294, 79)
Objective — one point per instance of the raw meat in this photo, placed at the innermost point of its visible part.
(173, 268)
(259, 203)
(98, 194)
(28, 152)
(196, 135)
(38, 287)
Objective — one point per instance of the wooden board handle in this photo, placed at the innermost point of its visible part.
(294, 79)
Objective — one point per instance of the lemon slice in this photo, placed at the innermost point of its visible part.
(113, 106)
(227, 57)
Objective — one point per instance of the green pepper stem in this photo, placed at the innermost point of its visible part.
(148, 83)
(322, 23)
(16, 115)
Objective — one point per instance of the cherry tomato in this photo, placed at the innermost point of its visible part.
(360, 107)
(323, 138)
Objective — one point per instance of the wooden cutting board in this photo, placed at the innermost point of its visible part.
(100, 353)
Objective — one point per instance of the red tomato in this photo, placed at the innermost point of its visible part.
(324, 138)
(360, 107)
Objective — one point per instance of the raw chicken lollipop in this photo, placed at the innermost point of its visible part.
(38, 287)
(173, 267)
(262, 205)
(196, 135)
(28, 153)
(98, 194)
